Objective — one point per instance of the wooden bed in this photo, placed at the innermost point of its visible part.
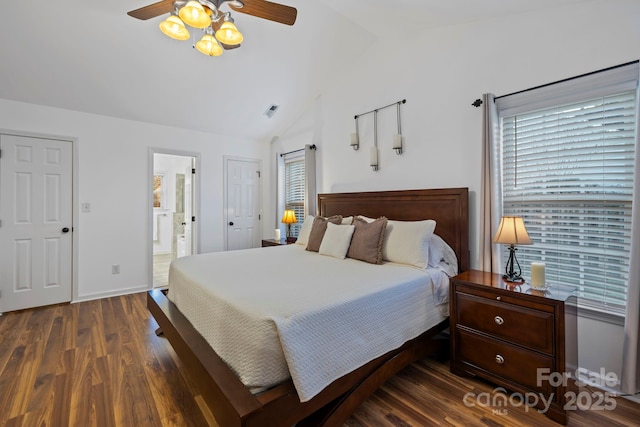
(231, 402)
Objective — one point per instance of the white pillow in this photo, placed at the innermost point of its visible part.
(407, 242)
(336, 240)
(442, 256)
(347, 220)
(305, 231)
(366, 218)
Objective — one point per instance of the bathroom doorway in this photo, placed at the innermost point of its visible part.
(173, 202)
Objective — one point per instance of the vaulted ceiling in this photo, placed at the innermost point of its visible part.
(91, 56)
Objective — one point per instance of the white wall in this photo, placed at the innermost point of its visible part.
(440, 73)
(113, 175)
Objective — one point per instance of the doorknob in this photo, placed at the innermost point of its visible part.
(65, 230)
(231, 223)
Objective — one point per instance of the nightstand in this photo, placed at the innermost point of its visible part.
(273, 242)
(511, 335)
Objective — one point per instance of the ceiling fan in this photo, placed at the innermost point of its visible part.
(220, 31)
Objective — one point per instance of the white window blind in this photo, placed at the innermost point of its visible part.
(569, 171)
(294, 190)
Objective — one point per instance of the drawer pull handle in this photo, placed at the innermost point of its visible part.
(499, 359)
(498, 298)
(499, 320)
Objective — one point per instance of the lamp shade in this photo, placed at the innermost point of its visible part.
(229, 34)
(194, 14)
(208, 45)
(289, 217)
(512, 231)
(173, 27)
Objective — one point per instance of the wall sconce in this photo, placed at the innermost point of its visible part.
(397, 138)
(355, 141)
(397, 143)
(373, 158)
(373, 152)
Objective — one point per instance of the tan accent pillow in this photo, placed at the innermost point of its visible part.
(366, 243)
(318, 230)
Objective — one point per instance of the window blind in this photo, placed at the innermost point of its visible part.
(294, 190)
(568, 170)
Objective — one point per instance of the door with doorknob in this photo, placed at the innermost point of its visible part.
(35, 221)
(243, 204)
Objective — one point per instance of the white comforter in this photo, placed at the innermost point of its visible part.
(276, 312)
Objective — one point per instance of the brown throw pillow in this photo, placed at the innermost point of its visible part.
(366, 243)
(318, 230)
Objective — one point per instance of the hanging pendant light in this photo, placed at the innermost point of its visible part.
(228, 33)
(208, 45)
(173, 27)
(194, 14)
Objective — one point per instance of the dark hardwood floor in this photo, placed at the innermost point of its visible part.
(99, 363)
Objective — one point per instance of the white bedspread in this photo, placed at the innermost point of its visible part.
(276, 312)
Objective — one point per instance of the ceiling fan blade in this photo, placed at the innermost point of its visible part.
(267, 10)
(152, 10)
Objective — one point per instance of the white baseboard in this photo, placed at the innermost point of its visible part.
(117, 293)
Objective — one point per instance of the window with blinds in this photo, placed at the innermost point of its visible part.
(294, 190)
(568, 170)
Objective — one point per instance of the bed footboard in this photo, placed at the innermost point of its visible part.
(233, 404)
(228, 398)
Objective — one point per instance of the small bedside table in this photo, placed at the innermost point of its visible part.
(273, 242)
(503, 332)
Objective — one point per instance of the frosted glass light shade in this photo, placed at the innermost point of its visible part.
(194, 14)
(397, 141)
(173, 27)
(229, 34)
(373, 156)
(354, 139)
(208, 45)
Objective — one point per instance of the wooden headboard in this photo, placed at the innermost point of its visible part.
(449, 207)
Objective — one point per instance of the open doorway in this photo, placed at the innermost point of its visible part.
(173, 215)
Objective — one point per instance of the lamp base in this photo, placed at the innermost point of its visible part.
(515, 278)
(510, 274)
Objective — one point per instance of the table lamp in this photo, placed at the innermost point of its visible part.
(289, 218)
(512, 231)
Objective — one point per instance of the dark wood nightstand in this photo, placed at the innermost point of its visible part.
(273, 242)
(505, 333)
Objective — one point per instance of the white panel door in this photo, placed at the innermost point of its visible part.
(35, 227)
(243, 204)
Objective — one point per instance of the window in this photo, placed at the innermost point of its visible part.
(294, 189)
(568, 170)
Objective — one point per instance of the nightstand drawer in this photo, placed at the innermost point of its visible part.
(511, 322)
(504, 360)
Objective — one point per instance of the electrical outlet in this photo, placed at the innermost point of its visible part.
(115, 269)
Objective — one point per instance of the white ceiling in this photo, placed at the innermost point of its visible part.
(91, 56)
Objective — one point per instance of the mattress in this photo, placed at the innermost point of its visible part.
(279, 312)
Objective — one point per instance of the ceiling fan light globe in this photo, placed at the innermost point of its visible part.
(173, 27)
(229, 34)
(208, 45)
(193, 14)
